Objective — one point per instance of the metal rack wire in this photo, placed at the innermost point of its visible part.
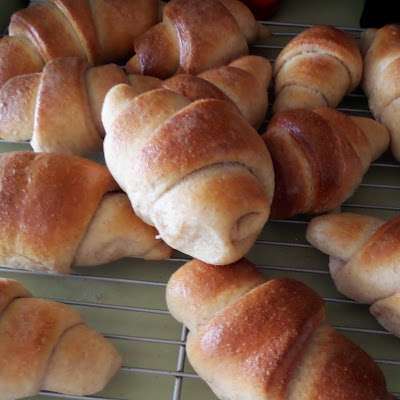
(125, 300)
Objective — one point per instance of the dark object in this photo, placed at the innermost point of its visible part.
(262, 9)
(379, 13)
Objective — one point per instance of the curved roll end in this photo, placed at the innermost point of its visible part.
(229, 201)
(197, 291)
(157, 52)
(99, 81)
(245, 81)
(363, 252)
(64, 354)
(83, 363)
(313, 174)
(116, 231)
(387, 312)
(244, 18)
(321, 59)
(133, 65)
(257, 66)
(366, 39)
(117, 98)
(11, 289)
(377, 134)
(341, 235)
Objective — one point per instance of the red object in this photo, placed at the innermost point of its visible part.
(262, 9)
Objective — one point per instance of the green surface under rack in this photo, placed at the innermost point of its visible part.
(125, 300)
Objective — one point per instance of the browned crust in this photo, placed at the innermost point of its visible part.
(309, 151)
(321, 74)
(208, 34)
(49, 30)
(383, 49)
(197, 283)
(18, 57)
(157, 52)
(350, 132)
(293, 180)
(334, 368)
(63, 123)
(383, 245)
(214, 132)
(119, 22)
(17, 107)
(259, 339)
(195, 35)
(96, 31)
(269, 341)
(325, 39)
(250, 28)
(47, 201)
(116, 231)
(80, 16)
(198, 291)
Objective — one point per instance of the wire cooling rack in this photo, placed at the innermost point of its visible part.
(125, 299)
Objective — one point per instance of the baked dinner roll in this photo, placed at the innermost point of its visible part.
(193, 36)
(364, 254)
(381, 57)
(316, 69)
(251, 339)
(46, 345)
(320, 158)
(58, 211)
(197, 171)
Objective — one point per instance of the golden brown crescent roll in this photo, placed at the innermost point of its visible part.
(244, 82)
(319, 158)
(97, 31)
(197, 171)
(193, 36)
(316, 69)
(381, 57)
(251, 339)
(57, 211)
(364, 254)
(46, 345)
(59, 109)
